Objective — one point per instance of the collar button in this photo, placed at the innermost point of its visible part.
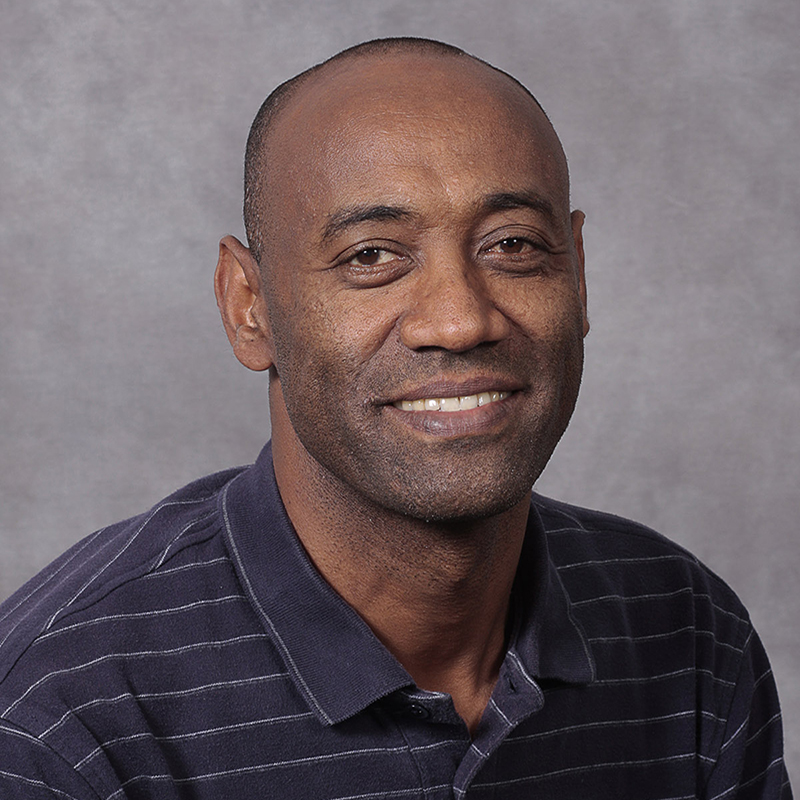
(418, 711)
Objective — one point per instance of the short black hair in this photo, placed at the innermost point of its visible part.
(277, 100)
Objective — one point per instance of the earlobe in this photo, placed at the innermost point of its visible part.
(242, 306)
(577, 218)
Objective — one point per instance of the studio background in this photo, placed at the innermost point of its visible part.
(122, 129)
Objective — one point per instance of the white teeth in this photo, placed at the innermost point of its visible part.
(451, 403)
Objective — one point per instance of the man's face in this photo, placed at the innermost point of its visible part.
(423, 284)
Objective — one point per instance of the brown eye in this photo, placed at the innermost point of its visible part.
(512, 245)
(373, 266)
(369, 257)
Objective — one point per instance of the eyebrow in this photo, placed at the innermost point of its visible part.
(340, 221)
(504, 201)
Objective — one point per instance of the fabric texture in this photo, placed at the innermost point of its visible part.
(195, 652)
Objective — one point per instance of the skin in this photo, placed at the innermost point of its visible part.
(419, 244)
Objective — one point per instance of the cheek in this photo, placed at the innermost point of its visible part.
(547, 312)
(324, 334)
(360, 324)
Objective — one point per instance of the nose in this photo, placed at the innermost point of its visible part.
(451, 308)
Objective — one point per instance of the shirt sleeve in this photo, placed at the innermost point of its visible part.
(30, 770)
(749, 763)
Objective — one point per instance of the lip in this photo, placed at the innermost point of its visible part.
(478, 421)
(454, 387)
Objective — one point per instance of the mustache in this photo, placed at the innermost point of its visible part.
(485, 366)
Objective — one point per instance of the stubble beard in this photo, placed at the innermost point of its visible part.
(447, 481)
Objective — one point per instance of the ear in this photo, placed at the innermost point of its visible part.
(577, 218)
(238, 287)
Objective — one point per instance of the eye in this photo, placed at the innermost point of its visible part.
(524, 254)
(371, 257)
(373, 265)
(513, 245)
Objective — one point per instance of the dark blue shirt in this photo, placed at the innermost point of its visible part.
(195, 652)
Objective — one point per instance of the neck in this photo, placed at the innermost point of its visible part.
(435, 594)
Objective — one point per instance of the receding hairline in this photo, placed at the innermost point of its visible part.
(281, 96)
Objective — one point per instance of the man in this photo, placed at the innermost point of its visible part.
(379, 607)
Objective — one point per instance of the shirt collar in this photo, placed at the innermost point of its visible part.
(546, 636)
(335, 660)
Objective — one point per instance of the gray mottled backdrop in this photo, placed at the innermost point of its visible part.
(122, 127)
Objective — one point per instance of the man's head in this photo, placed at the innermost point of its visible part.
(411, 240)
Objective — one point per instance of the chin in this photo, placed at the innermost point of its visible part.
(442, 500)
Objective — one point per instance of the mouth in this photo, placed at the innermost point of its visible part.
(451, 404)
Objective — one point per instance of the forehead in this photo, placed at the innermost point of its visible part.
(378, 125)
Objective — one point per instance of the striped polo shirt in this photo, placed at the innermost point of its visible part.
(195, 652)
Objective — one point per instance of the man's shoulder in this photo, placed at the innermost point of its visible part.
(677, 663)
(586, 529)
(91, 576)
(619, 556)
(149, 613)
(558, 516)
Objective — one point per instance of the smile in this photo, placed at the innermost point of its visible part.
(449, 404)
